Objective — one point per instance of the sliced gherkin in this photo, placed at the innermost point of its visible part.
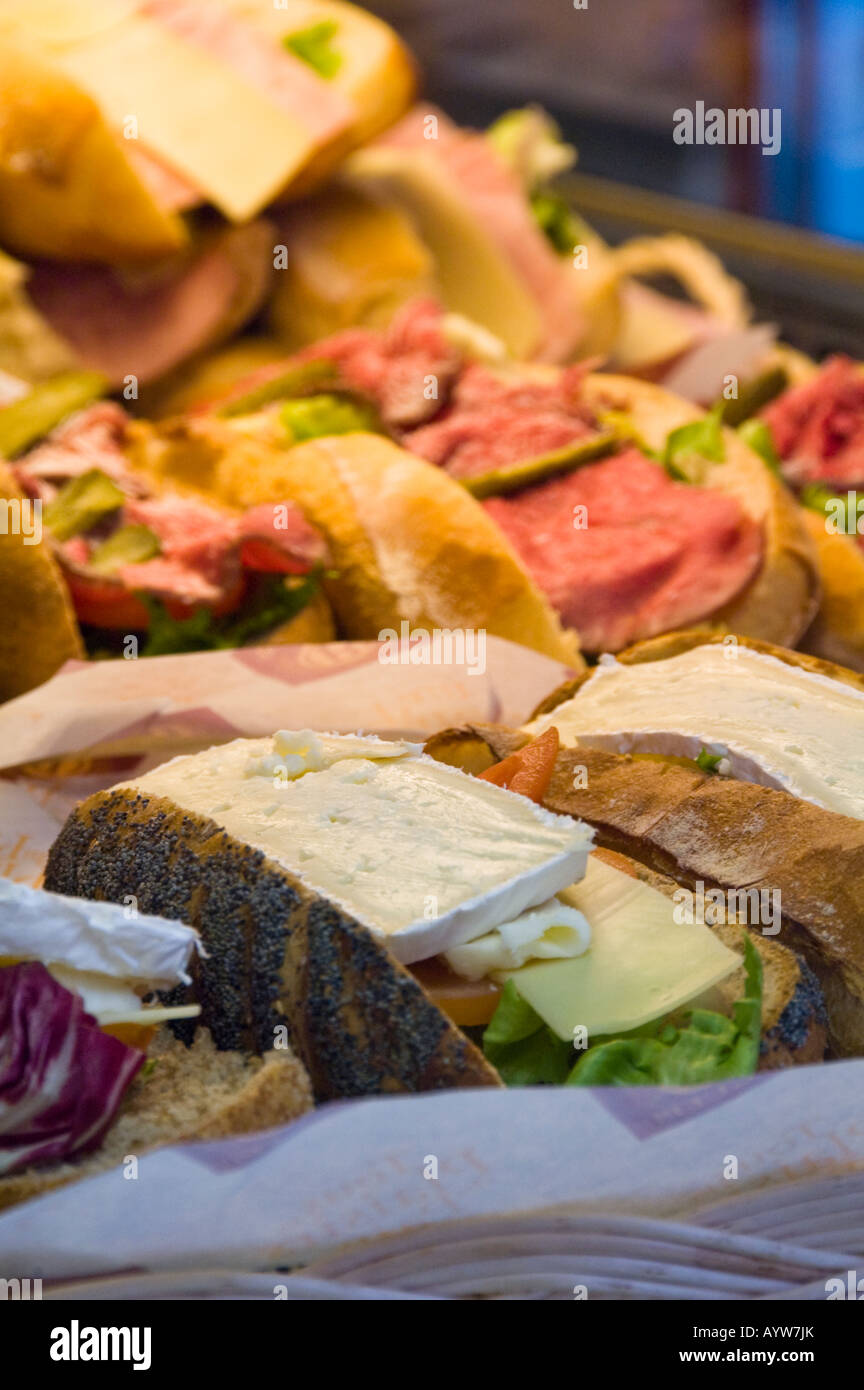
(498, 482)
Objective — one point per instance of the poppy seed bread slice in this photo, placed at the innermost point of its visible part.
(278, 954)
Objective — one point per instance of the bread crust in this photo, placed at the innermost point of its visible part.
(837, 631)
(406, 540)
(279, 955)
(782, 600)
(38, 631)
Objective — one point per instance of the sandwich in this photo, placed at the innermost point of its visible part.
(391, 907)
(813, 434)
(96, 561)
(737, 765)
(89, 1072)
(140, 145)
(632, 512)
(431, 201)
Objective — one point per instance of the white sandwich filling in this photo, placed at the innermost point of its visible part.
(414, 849)
(772, 723)
(107, 953)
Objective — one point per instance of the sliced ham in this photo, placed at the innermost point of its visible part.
(654, 555)
(171, 189)
(499, 203)
(491, 422)
(91, 438)
(818, 427)
(147, 325)
(407, 370)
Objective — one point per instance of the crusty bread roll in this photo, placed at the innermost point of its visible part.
(837, 631)
(695, 827)
(38, 630)
(406, 540)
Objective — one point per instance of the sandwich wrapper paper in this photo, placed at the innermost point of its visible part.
(363, 1168)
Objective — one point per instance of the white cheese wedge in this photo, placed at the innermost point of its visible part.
(107, 953)
(111, 1001)
(641, 964)
(104, 938)
(776, 724)
(551, 931)
(416, 850)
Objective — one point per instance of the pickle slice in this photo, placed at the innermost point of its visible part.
(32, 416)
(499, 482)
(754, 395)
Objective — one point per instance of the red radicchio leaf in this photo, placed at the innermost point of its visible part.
(61, 1077)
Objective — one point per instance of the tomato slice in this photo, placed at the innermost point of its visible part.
(468, 1003)
(259, 554)
(528, 771)
(104, 603)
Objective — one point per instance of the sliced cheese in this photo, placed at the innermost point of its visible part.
(641, 965)
(476, 279)
(238, 147)
(418, 851)
(777, 724)
(112, 1001)
(551, 931)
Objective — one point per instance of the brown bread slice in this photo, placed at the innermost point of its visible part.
(192, 1092)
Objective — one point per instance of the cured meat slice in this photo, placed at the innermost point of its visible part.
(818, 427)
(646, 554)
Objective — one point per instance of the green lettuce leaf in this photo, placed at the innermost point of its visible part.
(315, 46)
(274, 603)
(758, 435)
(708, 761)
(312, 417)
(688, 447)
(711, 1047)
(522, 1047)
(708, 1047)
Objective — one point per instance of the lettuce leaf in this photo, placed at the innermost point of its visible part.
(690, 445)
(708, 1047)
(522, 1047)
(314, 45)
(275, 602)
(711, 1047)
(760, 439)
(312, 417)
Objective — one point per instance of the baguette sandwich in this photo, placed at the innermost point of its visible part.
(632, 512)
(734, 764)
(90, 1074)
(92, 559)
(376, 901)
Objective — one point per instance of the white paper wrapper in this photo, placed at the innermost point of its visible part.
(136, 714)
(356, 1169)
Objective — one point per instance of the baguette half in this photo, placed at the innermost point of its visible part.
(38, 631)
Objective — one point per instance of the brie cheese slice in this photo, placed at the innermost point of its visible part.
(414, 849)
(775, 724)
(552, 931)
